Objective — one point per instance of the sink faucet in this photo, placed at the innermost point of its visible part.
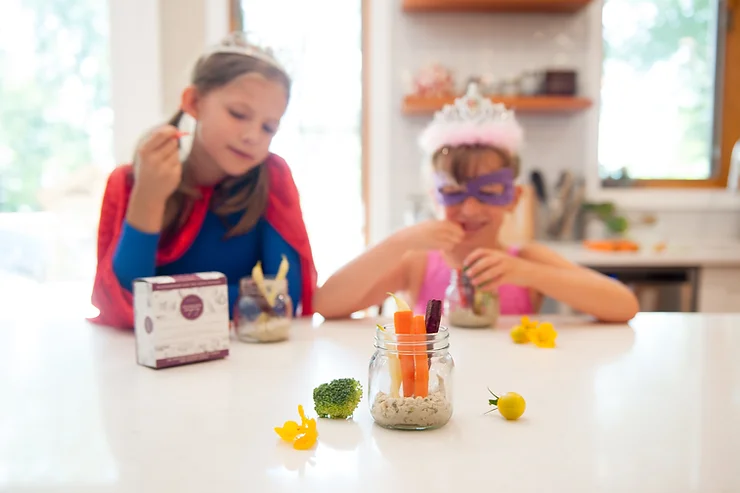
(733, 180)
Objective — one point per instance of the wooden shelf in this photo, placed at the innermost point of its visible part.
(494, 5)
(415, 105)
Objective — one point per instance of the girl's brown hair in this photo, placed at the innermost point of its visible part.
(462, 162)
(246, 193)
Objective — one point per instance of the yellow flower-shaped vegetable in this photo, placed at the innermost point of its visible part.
(303, 436)
(309, 437)
(543, 335)
(289, 431)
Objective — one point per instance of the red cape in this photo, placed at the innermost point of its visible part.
(283, 213)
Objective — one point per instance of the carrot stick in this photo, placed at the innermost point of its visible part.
(421, 370)
(402, 322)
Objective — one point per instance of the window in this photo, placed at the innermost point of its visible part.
(55, 138)
(669, 116)
(321, 134)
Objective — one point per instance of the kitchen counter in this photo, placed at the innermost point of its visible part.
(675, 255)
(709, 272)
(646, 407)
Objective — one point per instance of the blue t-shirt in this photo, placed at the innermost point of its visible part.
(234, 257)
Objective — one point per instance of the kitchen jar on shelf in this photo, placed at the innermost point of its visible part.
(410, 379)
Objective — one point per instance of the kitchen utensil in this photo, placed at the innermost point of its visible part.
(542, 212)
(572, 209)
(563, 191)
(538, 182)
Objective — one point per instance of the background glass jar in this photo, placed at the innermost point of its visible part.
(255, 318)
(400, 396)
(466, 306)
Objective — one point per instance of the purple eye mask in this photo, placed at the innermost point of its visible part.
(472, 188)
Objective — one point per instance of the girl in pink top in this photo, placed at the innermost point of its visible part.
(473, 147)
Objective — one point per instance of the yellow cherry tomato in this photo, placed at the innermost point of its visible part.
(519, 335)
(511, 406)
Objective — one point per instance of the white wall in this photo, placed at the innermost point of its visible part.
(154, 45)
(136, 72)
(504, 45)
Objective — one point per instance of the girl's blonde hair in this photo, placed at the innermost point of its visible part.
(462, 162)
(246, 193)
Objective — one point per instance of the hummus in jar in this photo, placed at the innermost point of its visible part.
(412, 413)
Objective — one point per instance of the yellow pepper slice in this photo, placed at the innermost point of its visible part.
(289, 431)
(394, 365)
(401, 305)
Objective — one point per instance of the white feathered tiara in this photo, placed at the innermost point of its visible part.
(237, 43)
(473, 120)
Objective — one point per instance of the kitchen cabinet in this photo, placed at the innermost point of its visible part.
(719, 290)
(699, 277)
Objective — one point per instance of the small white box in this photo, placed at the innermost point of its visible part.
(181, 319)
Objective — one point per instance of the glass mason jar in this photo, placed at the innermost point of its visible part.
(255, 319)
(400, 395)
(468, 307)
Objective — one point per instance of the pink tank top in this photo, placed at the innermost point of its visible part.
(513, 300)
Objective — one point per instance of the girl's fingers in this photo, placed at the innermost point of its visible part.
(476, 255)
(165, 151)
(473, 256)
(160, 137)
(488, 276)
(481, 264)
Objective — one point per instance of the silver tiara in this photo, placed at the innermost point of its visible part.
(474, 107)
(472, 120)
(237, 43)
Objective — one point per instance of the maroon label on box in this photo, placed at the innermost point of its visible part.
(191, 307)
(191, 358)
(187, 281)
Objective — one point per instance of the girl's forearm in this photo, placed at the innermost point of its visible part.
(583, 290)
(370, 275)
(135, 255)
(145, 214)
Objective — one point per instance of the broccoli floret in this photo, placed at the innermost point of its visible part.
(337, 399)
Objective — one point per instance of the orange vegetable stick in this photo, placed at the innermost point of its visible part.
(402, 323)
(421, 370)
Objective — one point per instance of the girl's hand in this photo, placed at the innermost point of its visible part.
(433, 235)
(158, 169)
(488, 269)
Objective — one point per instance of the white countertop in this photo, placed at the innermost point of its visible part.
(675, 255)
(650, 407)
